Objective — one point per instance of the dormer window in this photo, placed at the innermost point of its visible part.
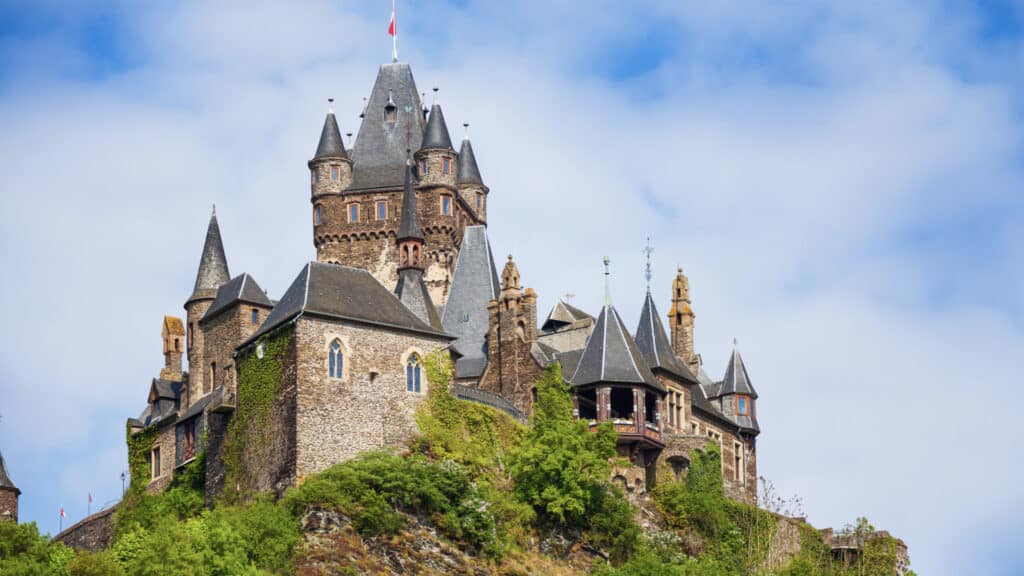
(742, 406)
(446, 205)
(446, 165)
(390, 112)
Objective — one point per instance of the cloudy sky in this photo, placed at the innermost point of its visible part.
(842, 184)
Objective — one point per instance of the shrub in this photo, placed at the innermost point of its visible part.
(94, 564)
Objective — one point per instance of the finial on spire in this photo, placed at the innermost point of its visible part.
(648, 250)
(214, 213)
(365, 104)
(349, 136)
(330, 105)
(568, 296)
(734, 342)
(607, 288)
(465, 130)
(435, 94)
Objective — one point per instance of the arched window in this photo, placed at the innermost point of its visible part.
(336, 360)
(413, 372)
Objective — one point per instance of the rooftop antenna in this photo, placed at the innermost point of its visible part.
(607, 289)
(648, 250)
(330, 105)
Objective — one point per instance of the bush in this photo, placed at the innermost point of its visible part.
(23, 551)
(94, 564)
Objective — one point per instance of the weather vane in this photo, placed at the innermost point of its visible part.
(648, 250)
(607, 289)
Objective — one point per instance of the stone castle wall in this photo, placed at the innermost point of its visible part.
(222, 334)
(92, 533)
(369, 407)
(8, 505)
(165, 440)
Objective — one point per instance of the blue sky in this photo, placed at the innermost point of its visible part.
(841, 183)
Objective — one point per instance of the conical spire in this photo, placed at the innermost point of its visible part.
(611, 355)
(736, 380)
(654, 344)
(5, 479)
(331, 144)
(213, 266)
(436, 133)
(469, 172)
(410, 225)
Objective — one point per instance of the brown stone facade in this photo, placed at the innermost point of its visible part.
(681, 323)
(92, 533)
(194, 310)
(8, 505)
(173, 335)
(166, 443)
(222, 334)
(367, 408)
(512, 370)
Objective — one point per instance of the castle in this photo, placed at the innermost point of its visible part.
(280, 390)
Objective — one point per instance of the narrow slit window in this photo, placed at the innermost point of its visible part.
(446, 205)
(334, 172)
(254, 316)
(423, 167)
(336, 360)
(446, 165)
(317, 217)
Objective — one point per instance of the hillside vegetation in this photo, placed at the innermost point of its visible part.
(475, 493)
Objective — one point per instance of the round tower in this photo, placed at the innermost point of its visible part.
(330, 173)
(470, 184)
(9, 494)
(213, 272)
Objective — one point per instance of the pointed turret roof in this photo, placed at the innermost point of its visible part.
(331, 144)
(474, 285)
(409, 228)
(654, 344)
(213, 265)
(240, 289)
(412, 291)
(5, 479)
(379, 152)
(736, 380)
(436, 134)
(611, 355)
(469, 172)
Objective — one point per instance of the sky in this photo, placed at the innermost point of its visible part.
(841, 182)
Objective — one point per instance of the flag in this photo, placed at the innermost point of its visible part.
(392, 27)
(90, 497)
(62, 514)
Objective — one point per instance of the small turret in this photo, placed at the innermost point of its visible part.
(330, 169)
(410, 288)
(436, 157)
(470, 184)
(9, 494)
(173, 334)
(681, 323)
(737, 396)
(213, 272)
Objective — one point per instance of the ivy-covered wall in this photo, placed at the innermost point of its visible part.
(258, 450)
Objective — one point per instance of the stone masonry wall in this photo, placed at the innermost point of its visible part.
(165, 440)
(222, 334)
(216, 432)
(8, 505)
(92, 533)
(369, 406)
(195, 350)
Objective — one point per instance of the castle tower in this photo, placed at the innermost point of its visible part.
(681, 322)
(173, 334)
(512, 370)
(737, 397)
(470, 184)
(330, 173)
(440, 202)
(8, 495)
(411, 289)
(213, 272)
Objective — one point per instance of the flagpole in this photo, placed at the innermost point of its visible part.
(394, 37)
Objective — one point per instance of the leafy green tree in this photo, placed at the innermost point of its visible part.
(94, 564)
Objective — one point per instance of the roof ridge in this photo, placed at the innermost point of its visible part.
(629, 351)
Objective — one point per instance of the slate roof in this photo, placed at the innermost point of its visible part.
(213, 264)
(198, 407)
(412, 292)
(654, 344)
(736, 380)
(331, 145)
(344, 293)
(611, 356)
(380, 149)
(562, 315)
(570, 360)
(436, 135)
(468, 171)
(240, 289)
(474, 284)
(410, 224)
(5, 479)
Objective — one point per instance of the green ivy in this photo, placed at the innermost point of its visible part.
(259, 383)
(140, 445)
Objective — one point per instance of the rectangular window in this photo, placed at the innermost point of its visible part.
(155, 459)
(741, 406)
(334, 172)
(353, 212)
(479, 201)
(446, 165)
(315, 175)
(382, 210)
(446, 205)
(738, 451)
(317, 215)
(188, 440)
(423, 167)
(255, 317)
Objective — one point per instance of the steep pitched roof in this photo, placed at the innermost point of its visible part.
(564, 314)
(654, 344)
(736, 380)
(611, 355)
(436, 133)
(344, 293)
(174, 326)
(474, 284)
(412, 292)
(213, 264)
(379, 152)
(331, 145)
(468, 171)
(240, 289)
(410, 224)
(5, 479)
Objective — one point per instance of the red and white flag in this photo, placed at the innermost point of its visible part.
(392, 27)
(62, 514)
(393, 32)
(90, 497)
